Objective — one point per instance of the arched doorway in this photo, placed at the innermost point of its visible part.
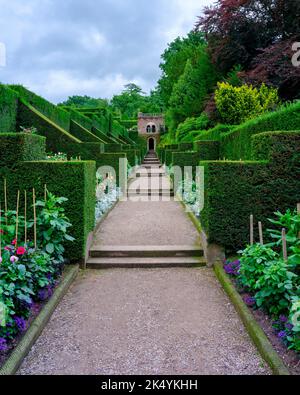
(151, 144)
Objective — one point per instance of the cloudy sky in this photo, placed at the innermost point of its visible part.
(59, 48)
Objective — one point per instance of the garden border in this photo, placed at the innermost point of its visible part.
(15, 360)
(256, 333)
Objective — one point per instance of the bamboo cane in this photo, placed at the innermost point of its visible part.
(34, 220)
(25, 215)
(17, 218)
(284, 245)
(261, 237)
(251, 230)
(5, 200)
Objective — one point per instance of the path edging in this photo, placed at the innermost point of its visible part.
(15, 360)
(256, 333)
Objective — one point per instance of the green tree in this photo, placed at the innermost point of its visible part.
(192, 89)
(84, 101)
(174, 62)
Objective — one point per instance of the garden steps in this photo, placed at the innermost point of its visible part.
(146, 251)
(145, 263)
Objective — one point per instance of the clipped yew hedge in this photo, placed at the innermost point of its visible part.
(235, 190)
(8, 110)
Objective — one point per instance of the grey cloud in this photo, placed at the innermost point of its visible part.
(102, 42)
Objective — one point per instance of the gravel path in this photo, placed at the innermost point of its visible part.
(176, 321)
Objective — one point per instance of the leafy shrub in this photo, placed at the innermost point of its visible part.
(238, 104)
(276, 286)
(253, 263)
(190, 124)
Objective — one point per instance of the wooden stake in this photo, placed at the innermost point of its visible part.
(34, 219)
(17, 218)
(261, 236)
(25, 215)
(5, 200)
(45, 191)
(251, 230)
(284, 245)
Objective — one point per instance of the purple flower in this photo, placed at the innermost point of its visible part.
(250, 301)
(232, 268)
(43, 294)
(289, 326)
(3, 344)
(21, 323)
(283, 319)
(282, 335)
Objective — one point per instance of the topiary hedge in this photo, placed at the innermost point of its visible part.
(8, 110)
(208, 150)
(58, 139)
(237, 144)
(19, 147)
(83, 134)
(73, 180)
(235, 190)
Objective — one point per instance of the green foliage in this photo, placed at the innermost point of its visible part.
(253, 263)
(191, 90)
(18, 147)
(211, 134)
(74, 180)
(84, 102)
(8, 109)
(29, 275)
(58, 138)
(52, 226)
(237, 104)
(276, 287)
(190, 124)
(237, 144)
(234, 190)
(174, 61)
(208, 150)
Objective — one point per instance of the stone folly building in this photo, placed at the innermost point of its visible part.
(150, 128)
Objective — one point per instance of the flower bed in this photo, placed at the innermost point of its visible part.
(107, 194)
(269, 283)
(29, 270)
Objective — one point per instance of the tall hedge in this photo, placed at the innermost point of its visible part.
(237, 144)
(58, 139)
(8, 110)
(235, 190)
(19, 147)
(73, 180)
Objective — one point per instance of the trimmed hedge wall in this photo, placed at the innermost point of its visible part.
(49, 110)
(58, 139)
(111, 160)
(8, 110)
(237, 144)
(113, 148)
(19, 147)
(83, 134)
(235, 190)
(73, 180)
(208, 150)
(184, 159)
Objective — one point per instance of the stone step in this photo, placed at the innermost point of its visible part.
(144, 263)
(151, 193)
(150, 175)
(145, 251)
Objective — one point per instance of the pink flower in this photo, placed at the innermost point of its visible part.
(14, 259)
(14, 242)
(7, 248)
(1, 260)
(21, 251)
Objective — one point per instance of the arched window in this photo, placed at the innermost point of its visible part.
(149, 129)
(153, 129)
